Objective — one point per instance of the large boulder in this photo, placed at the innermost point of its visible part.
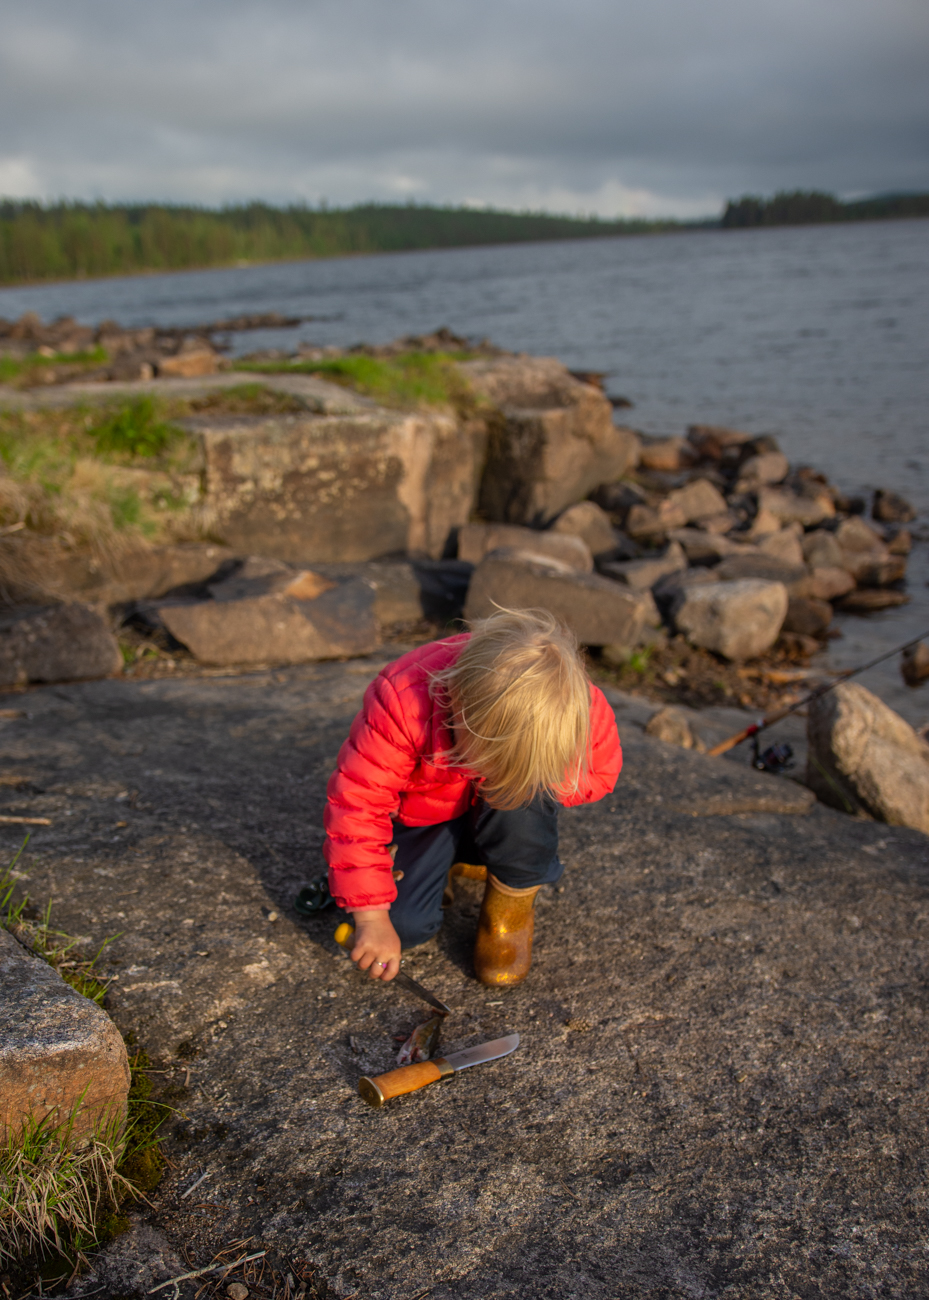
(863, 755)
(551, 441)
(55, 643)
(598, 611)
(477, 540)
(61, 1056)
(354, 486)
(268, 612)
(738, 620)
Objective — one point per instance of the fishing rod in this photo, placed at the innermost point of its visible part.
(757, 727)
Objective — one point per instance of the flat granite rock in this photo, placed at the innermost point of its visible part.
(721, 1087)
(60, 1054)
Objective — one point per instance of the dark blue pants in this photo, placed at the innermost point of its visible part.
(520, 848)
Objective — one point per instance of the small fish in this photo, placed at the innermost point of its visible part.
(422, 1042)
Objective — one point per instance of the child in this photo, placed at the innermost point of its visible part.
(463, 750)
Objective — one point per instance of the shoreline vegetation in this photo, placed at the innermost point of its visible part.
(73, 240)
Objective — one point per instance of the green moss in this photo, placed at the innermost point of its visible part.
(408, 379)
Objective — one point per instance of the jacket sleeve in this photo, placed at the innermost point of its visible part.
(606, 755)
(373, 767)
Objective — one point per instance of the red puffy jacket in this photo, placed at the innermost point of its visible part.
(392, 768)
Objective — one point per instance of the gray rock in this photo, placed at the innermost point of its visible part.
(899, 541)
(791, 507)
(914, 666)
(667, 455)
(705, 548)
(783, 545)
(55, 643)
(598, 611)
(398, 594)
(759, 565)
(868, 599)
(738, 620)
(766, 468)
(863, 755)
(808, 616)
(671, 726)
(590, 523)
(292, 622)
(828, 583)
(477, 540)
(712, 440)
(855, 536)
(699, 499)
(872, 570)
(822, 550)
(553, 442)
(60, 1054)
(643, 574)
(891, 508)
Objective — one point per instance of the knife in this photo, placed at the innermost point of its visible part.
(410, 1077)
(343, 936)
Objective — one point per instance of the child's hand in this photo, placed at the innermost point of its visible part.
(377, 945)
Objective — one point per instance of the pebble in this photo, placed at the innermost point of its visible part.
(237, 1291)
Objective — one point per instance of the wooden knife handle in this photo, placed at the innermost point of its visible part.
(407, 1079)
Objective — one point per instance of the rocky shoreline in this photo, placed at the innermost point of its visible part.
(720, 1090)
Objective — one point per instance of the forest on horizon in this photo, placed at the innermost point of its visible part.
(73, 240)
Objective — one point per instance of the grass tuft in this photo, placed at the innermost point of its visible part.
(134, 430)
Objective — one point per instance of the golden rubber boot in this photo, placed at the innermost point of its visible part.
(503, 949)
(467, 871)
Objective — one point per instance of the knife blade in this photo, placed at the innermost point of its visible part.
(342, 937)
(395, 1083)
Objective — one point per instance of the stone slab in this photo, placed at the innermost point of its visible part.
(60, 1054)
(745, 1115)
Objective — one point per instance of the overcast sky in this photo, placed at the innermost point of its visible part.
(644, 107)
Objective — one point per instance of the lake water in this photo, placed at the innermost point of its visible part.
(818, 335)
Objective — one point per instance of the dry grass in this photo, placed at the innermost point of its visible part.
(54, 1191)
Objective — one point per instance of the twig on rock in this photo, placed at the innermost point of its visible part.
(211, 1268)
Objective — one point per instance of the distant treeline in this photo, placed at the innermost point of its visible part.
(70, 240)
(809, 207)
(63, 241)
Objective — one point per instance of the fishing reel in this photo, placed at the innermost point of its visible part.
(776, 759)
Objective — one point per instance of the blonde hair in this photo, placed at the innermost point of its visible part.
(520, 704)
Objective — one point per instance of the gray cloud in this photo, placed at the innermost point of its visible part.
(661, 106)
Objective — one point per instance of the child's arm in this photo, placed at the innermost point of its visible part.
(373, 766)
